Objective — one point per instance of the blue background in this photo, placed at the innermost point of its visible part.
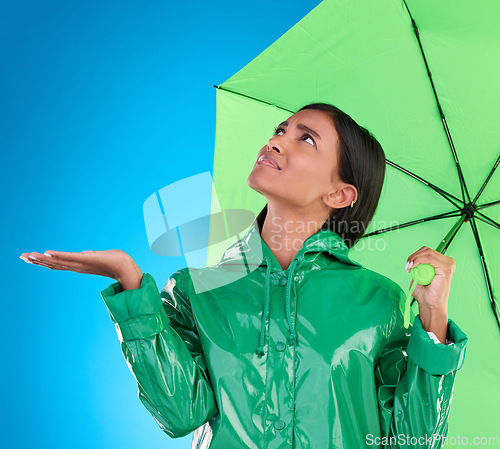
(102, 104)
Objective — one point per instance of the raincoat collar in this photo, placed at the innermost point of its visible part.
(253, 252)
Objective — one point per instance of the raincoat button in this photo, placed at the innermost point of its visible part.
(280, 346)
(283, 281)
(278, 425)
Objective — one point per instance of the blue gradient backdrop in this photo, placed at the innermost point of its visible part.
(102, 104)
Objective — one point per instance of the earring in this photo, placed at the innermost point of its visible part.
(352, 203)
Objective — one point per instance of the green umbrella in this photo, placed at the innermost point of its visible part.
(422, 76)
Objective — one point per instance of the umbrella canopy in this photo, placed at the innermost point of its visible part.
(422, 76)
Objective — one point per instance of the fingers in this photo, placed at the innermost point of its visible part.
(46, 264)
(52, 261)
(103, 263)
(61, 266)
(414, 259)
(63, 255)
(421, 251)
(443, 264)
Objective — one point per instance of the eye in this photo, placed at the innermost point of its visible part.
(276, 130)
(304, 137)
(307, 136)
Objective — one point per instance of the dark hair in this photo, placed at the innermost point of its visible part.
(362, 164)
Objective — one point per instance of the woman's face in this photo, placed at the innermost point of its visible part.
(305, 148)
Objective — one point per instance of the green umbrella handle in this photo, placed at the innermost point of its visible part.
(422, 274)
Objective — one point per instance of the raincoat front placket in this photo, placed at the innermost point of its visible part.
(279, 352)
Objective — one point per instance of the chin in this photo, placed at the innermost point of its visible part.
(251, 181)
(256, 182)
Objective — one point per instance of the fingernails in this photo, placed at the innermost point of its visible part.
(32, 258)
(47, 254)
(408, 266)
(24, 258)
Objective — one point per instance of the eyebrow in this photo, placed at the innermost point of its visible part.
(303, 128)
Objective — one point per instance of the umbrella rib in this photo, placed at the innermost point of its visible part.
(495, 165)
(485, 270)
(494, 203)
(443, 118)
(487, 220)
(444, 194)
(414, 222)
(253, 98)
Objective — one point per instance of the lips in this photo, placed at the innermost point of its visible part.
(269, 161)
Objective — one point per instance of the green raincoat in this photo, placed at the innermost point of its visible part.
(314, 356)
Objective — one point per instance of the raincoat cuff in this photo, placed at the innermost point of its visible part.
(142, 327)
(133, 303)
(436, 340)
(437, 359)
(137, 313)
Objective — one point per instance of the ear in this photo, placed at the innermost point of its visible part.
(342, 197)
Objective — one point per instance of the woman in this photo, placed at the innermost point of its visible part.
(287, 342)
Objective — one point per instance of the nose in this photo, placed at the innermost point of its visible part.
(272, 144)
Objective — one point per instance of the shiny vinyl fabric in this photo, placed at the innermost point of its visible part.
(314, 356)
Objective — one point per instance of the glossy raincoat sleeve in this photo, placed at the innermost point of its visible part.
(414, 378)
(161, 345)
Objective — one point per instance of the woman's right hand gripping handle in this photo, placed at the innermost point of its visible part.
(113, 263)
